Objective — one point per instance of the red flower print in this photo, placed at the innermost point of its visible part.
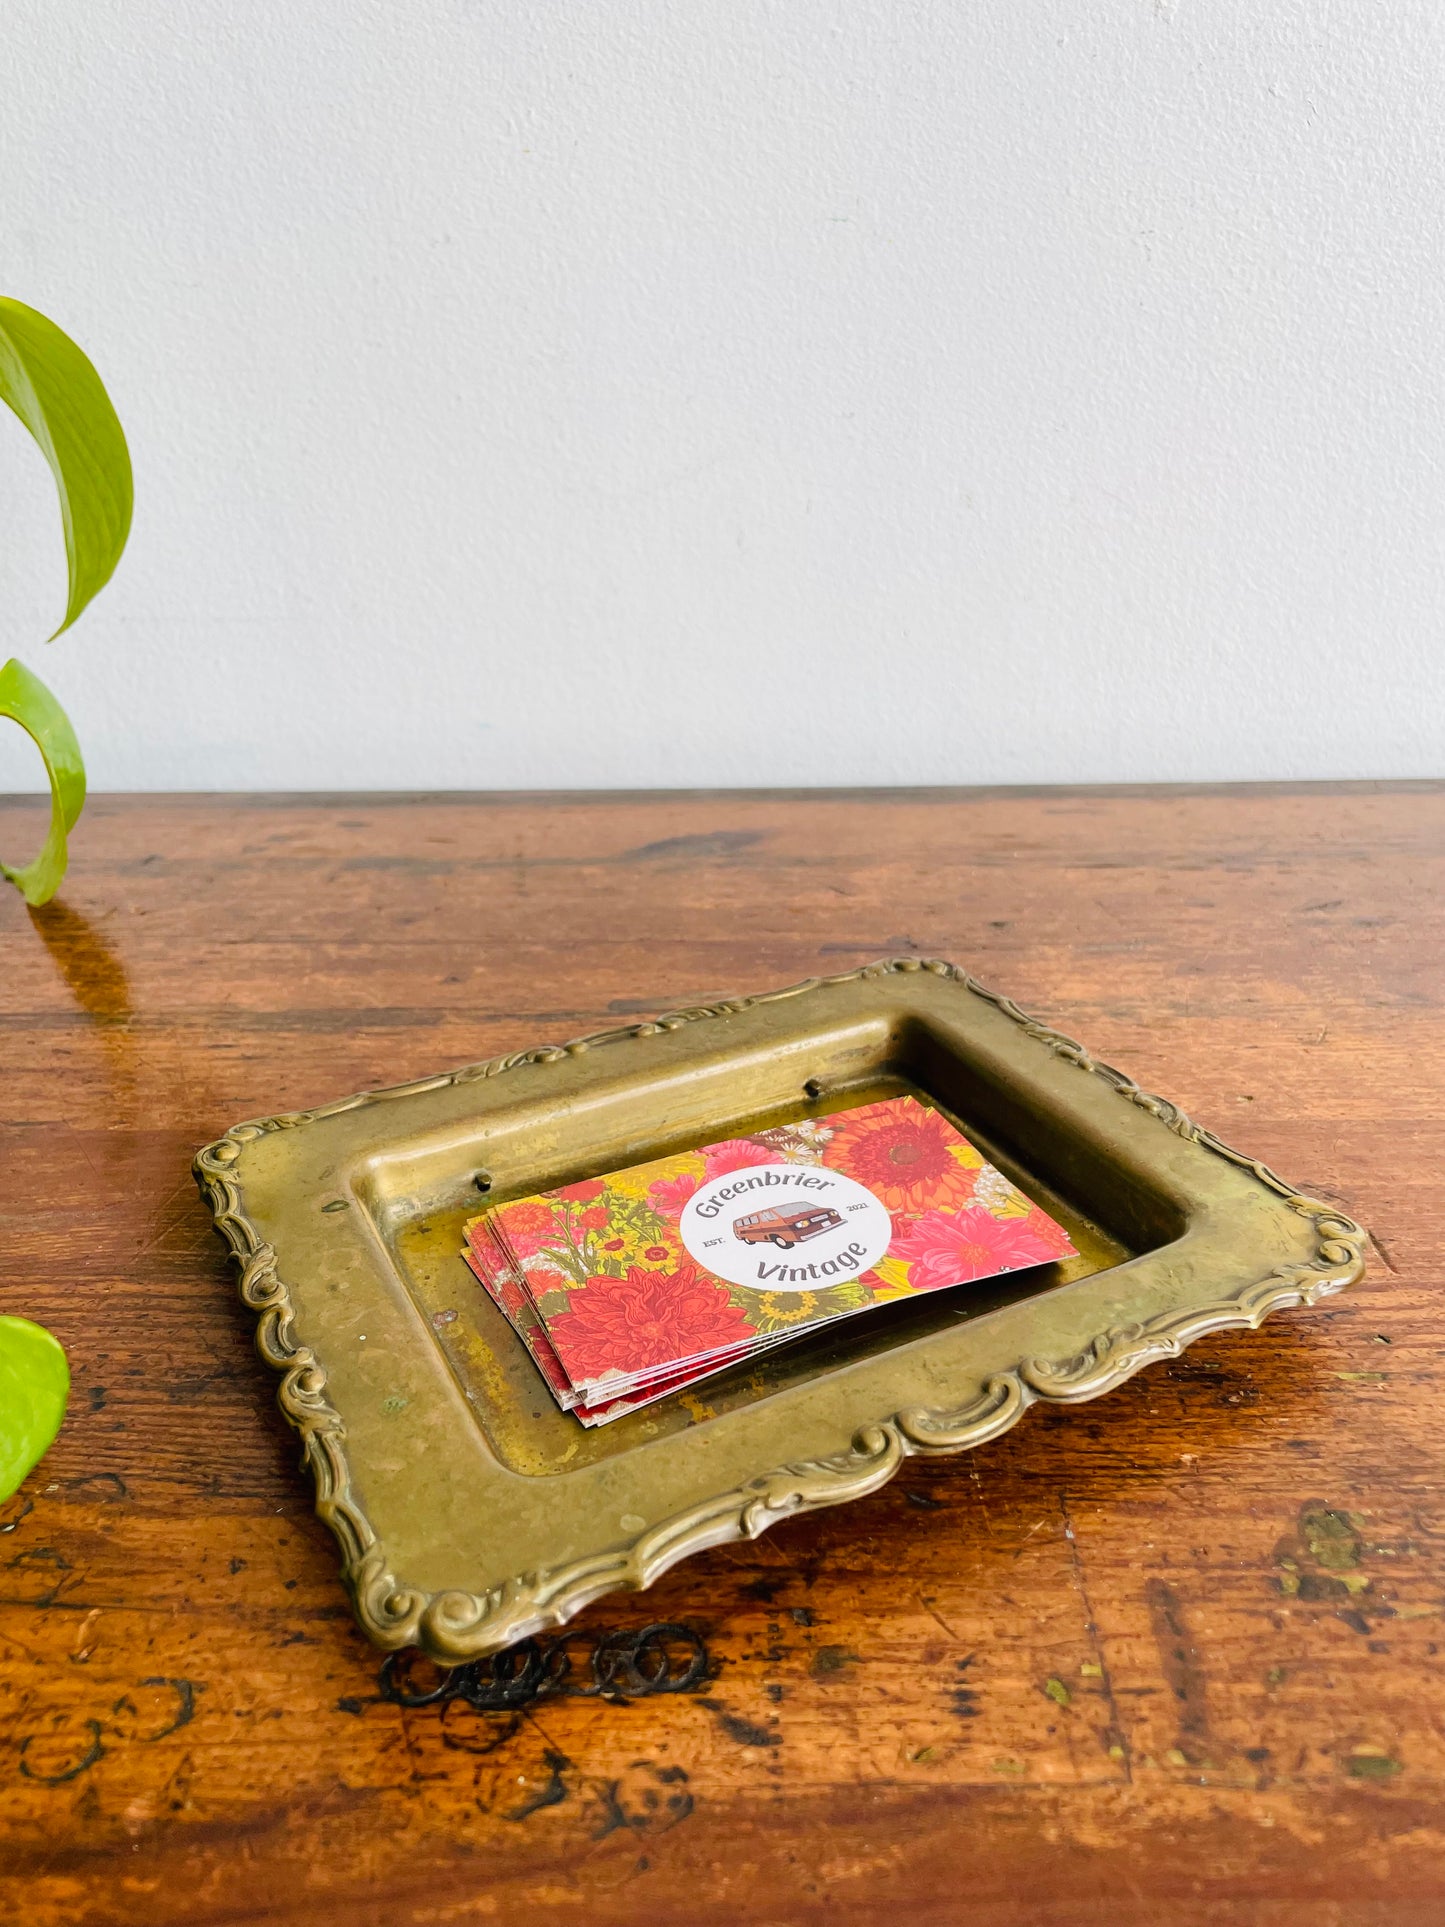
(736, 1155)
(647, 1319)
(528, 1226)
(585, 1193)
(615, 1244)
(953, 1248)
(669, 1195)
(595, 1218)
(904, 1159)
(655, 1253)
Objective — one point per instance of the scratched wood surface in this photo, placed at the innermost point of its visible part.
(1175, 1655)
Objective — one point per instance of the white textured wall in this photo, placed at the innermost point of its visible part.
(741, 391)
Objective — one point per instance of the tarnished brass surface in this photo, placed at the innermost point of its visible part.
(471, 1512)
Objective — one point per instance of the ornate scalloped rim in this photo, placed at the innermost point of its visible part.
(455, 1626)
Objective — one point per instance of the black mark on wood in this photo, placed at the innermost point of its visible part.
(645, 1799)
(185, 1691)
(106, 1487)
(1181, 1665)
(766, 1589)
(737, 1728)
(712, 843)
(552, 1793)
(1384, 1251)
(41, 1559)
(622, 1665)
(963, 1698)
(123, 1724)
(469, 1729)
(93, 1752)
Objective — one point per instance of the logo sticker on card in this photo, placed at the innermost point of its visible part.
(785, 1227)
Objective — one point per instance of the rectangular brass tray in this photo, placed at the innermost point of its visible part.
(471, 1511)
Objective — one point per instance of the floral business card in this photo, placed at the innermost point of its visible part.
(627, 1287)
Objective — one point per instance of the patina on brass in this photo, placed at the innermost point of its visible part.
(471, 1512)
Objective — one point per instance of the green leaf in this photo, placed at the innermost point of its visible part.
(34, 1385)
(26, 699)
(55, 391)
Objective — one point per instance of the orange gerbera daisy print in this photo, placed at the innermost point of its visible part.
(905, 1157)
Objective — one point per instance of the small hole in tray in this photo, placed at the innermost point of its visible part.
(813, 1087)
(483, 1180)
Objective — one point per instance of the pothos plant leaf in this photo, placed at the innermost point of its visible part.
(52, 387)
(34, 1386)
(50, 384)
(27, 701)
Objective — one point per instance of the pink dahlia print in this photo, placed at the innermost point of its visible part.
(945, 1248)
(736, 1155)
(669, 1195)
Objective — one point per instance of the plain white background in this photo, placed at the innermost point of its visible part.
(746, 393)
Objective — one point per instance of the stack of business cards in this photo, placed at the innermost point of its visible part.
(628, 1287)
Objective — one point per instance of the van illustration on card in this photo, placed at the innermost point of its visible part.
(785, 1228)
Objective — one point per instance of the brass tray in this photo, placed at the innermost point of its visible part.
(471, 1511)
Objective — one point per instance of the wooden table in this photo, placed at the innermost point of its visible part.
(1176, 1656)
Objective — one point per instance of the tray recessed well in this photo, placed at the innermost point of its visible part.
(472, 1512)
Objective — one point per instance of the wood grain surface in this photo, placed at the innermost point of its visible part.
(1176, 1655)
